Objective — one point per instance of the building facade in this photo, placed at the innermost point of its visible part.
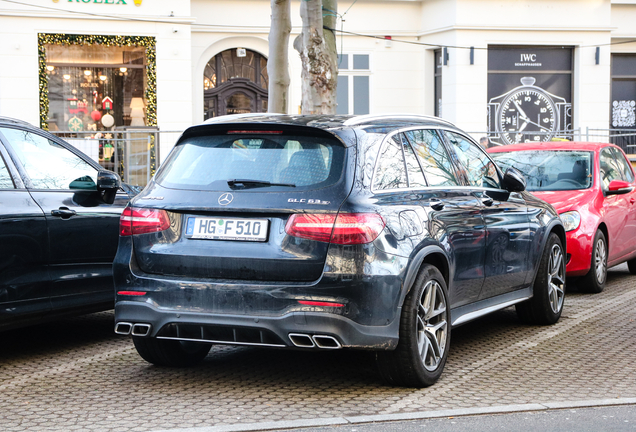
(514, 70)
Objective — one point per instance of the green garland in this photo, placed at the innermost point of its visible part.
(70, 39)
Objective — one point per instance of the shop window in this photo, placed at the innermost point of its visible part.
(96, 87)
(353, 84)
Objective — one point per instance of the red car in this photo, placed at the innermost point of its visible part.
(592, 186)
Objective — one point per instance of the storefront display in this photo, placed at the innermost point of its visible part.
(93, 83)
(529, 93)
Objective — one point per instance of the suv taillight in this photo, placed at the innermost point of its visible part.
(142, 221)
(344, 228)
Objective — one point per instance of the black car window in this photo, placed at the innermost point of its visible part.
(415, 175)
(480, 170)
(433, 157)
(623, 165)
(609, 167)
(5, 177)
(390, 172)
(48, 164)
(209, 162)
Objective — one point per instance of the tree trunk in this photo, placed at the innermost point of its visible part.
(277, 63)
(318, 57)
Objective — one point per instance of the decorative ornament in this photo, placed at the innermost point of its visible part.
(96, 115)
(108, 120)
(72, 105)
(77, 106)
(75, 124)
(107, 103)
(624, 113)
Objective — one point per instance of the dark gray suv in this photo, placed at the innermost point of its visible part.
(327, 232)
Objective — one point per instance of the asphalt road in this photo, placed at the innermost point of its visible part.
(76, 374)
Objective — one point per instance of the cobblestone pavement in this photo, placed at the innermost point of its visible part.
(75, 374)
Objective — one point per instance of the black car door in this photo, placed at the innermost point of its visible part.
(454, 216)
(82, 229)
(505, 215)
(24, 276)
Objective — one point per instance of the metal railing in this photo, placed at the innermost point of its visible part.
(624, 138)
(133, 153)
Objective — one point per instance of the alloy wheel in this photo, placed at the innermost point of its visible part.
(556, 278)
(600, 261)
(432, 325)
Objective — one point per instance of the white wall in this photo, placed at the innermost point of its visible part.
(401, 75)
(20, 25)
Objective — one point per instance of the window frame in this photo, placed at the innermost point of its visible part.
(451, 155)
(460, 167)
(609, 149)
(18, 183)
(620, 158)
(351, 73)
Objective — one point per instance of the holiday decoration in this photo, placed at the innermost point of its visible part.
(107, 103)
(75, 124)
(108, 120)
(78, 106)
(96, 115)
(72, 104)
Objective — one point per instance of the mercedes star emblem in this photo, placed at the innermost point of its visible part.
(226, 198)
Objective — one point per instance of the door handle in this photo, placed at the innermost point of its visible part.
(63, 212)
(436, 204)
(487, 201)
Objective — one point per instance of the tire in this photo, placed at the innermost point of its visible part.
(171, 353)
(631, 265)
(594, 280)
(421, 353)
(546, 304)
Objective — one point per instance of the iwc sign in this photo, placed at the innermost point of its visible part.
(529, 94)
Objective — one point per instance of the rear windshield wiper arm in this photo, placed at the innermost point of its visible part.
(243, 183)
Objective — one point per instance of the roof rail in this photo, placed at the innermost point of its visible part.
(14, 120)
(371, 117)
(230, 117)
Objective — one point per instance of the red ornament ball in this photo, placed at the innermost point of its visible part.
(96, 115)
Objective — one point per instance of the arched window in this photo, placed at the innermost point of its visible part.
(235, 81)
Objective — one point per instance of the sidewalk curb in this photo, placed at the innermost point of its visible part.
(420, 415)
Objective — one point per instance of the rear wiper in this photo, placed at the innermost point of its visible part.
(242, 183)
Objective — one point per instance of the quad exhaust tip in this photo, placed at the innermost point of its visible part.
(123, 328)
(139, 329)
(326, 342)
(316, 341)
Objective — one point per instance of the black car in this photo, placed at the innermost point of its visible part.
(327, 232)
(59, 222)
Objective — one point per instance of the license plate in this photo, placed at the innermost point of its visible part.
(227, 229)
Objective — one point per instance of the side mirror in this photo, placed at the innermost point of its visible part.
(108, 183)
(513, 180)
(618, 187)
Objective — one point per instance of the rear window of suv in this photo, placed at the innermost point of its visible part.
(210, 162)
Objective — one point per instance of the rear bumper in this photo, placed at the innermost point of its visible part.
(272, 331)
